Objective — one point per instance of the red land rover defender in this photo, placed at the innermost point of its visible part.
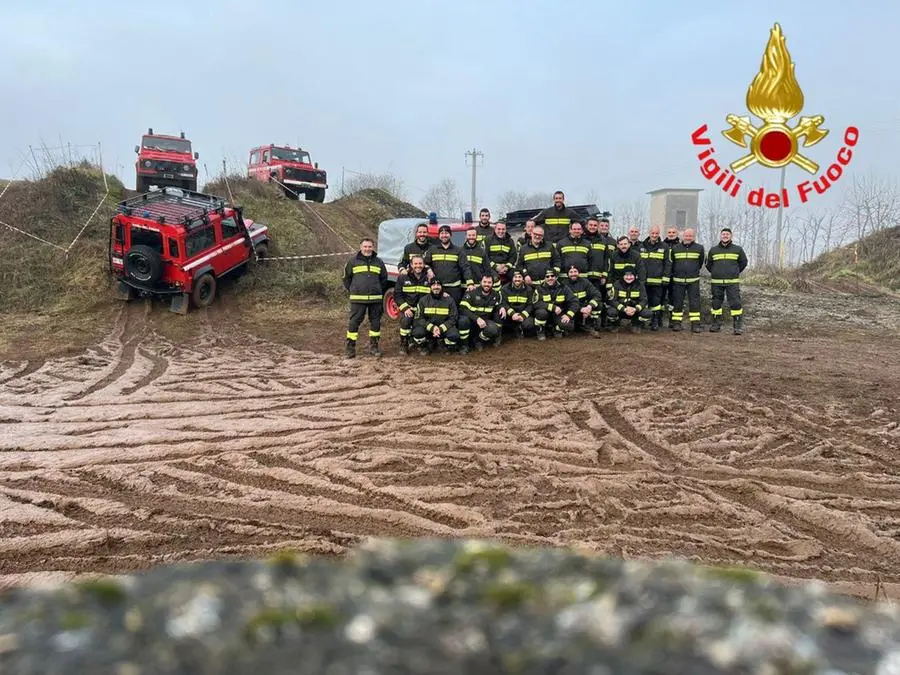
(292, 168)
(165, 160)
(175, 243)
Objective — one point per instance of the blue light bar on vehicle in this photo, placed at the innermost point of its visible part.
(432, 218)
(468, 217)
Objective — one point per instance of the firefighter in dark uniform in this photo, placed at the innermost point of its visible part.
(628, 301)
(590, 302)
(417, 246)
(476, 259)
(502, 252)
(436, 319)
(687, 261)
(366, 280)
(412, 284)
(556, 219)
(657, 265)
(536, 257)
(671, 239)
(448, 263)
(624, 258)
(555, 307)
(575, 250)
(484, 229)
(608, 239)
(481, 312)
(725, 262)
(526, 235)
(602, 246)
(517, 300)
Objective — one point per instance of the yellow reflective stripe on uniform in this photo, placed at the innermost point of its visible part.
(655, 281)
(725, 256)
(572, 248)
(437, 311)
(517, 298)
(360, 269)
(683, 255)
(557, 221)
(416, 289)
(502, 248)
(724, 281)
(581, 294)
(680, 280)
(654, 256)
(537, 255)
(444, 257)
(364, 298)
(476, 258)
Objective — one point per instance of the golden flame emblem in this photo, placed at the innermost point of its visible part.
(775, 97)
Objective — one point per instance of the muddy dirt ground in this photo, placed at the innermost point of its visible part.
(235, 432)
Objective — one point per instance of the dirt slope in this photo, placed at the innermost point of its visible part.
(868, 265)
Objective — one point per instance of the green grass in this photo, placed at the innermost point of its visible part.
(873, 260)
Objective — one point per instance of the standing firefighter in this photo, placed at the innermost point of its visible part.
(365, 278)
(536, 257)
(657, 264)
(556, 219)
(725, 262)
(412, 285)
(670, 241)
(448, 262)
(687, 261)
(418, 246)
(502, 252)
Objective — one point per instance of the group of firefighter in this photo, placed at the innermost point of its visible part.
(559, 277)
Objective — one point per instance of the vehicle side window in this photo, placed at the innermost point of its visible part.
(229, 228)
(266, 156)
(173, 248)
(254, 157)
(119, 233)
(199, 241)
(142, 237)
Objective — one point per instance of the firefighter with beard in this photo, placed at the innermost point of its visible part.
(628, 302)
(657, 265)
(597, 274)
(412, 284)
(608, 239)
(476, 258)
(526, 235)
(365, 278)
(501, 252)
(725, 262)
(484, 229)
(556, 219)
(536, 257)
(417, 246)
(687, 260)
(670, 241)
(517, 300)
(447, 262)
(624, 258)
(481, 312)
(436, 319)
(574, 249)
(590, 301)
(555, 308)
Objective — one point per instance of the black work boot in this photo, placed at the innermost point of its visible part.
(540, 333)
(739, 324)
(716, 325)
(656, 321)
(373, 346)
(351, 348)
(404, 345)
(675, 325)
(696, 327)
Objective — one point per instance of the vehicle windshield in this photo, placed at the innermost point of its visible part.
(167, 144)
(286, 155)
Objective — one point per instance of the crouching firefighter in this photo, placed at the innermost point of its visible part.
(590, 302)
(365, 278)
(481, 310)
(517, 300)
(555, 308)
(412, 285)
(725, 262)
(436, 318)
(628, 301)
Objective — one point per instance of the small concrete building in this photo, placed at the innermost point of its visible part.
(674, 207)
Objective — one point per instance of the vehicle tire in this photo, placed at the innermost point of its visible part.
(316, 195)
(290, 194)
(143, 264)
(390, 305)
(140, 186)
(204, 291)
(262, 250)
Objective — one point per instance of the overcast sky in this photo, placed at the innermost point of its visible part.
(578, 95)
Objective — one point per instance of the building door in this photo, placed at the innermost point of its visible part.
(680, 219)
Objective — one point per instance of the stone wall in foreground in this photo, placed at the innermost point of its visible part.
(443, 606)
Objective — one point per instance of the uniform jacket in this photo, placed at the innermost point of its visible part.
(365, 278)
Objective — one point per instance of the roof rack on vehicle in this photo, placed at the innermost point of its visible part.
(174, 206)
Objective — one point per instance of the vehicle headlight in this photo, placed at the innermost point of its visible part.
(186, 167)
(148, 163)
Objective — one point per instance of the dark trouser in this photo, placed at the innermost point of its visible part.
(421, 335)
(637, 319)
(692, 291)
(406, 324)
(526, 326)
(604, 298)
(455, 292)
(358, 311)
(722, 291)
(469, 330)
(667, 296)
(536, 322)
(554, 323)
(655, 294)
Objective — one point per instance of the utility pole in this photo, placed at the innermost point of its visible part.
(780, 250)
(474, 153)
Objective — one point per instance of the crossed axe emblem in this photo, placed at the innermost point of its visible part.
(807, 127)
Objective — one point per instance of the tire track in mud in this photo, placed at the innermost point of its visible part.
(143, 451)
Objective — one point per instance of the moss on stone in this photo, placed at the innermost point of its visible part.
(285, 559)
(510, 595)
(106, 591)
(74, 620)
(312, 616)
(740, 574)
(493, 558)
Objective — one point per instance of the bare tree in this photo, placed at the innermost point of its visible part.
(872, 204)
(592, 197)
(444, 199)
(631, 212)
(511, 200)
(383, 181)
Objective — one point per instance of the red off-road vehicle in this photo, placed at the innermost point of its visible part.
(178, 244)
(165, 160)
(292, 168)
